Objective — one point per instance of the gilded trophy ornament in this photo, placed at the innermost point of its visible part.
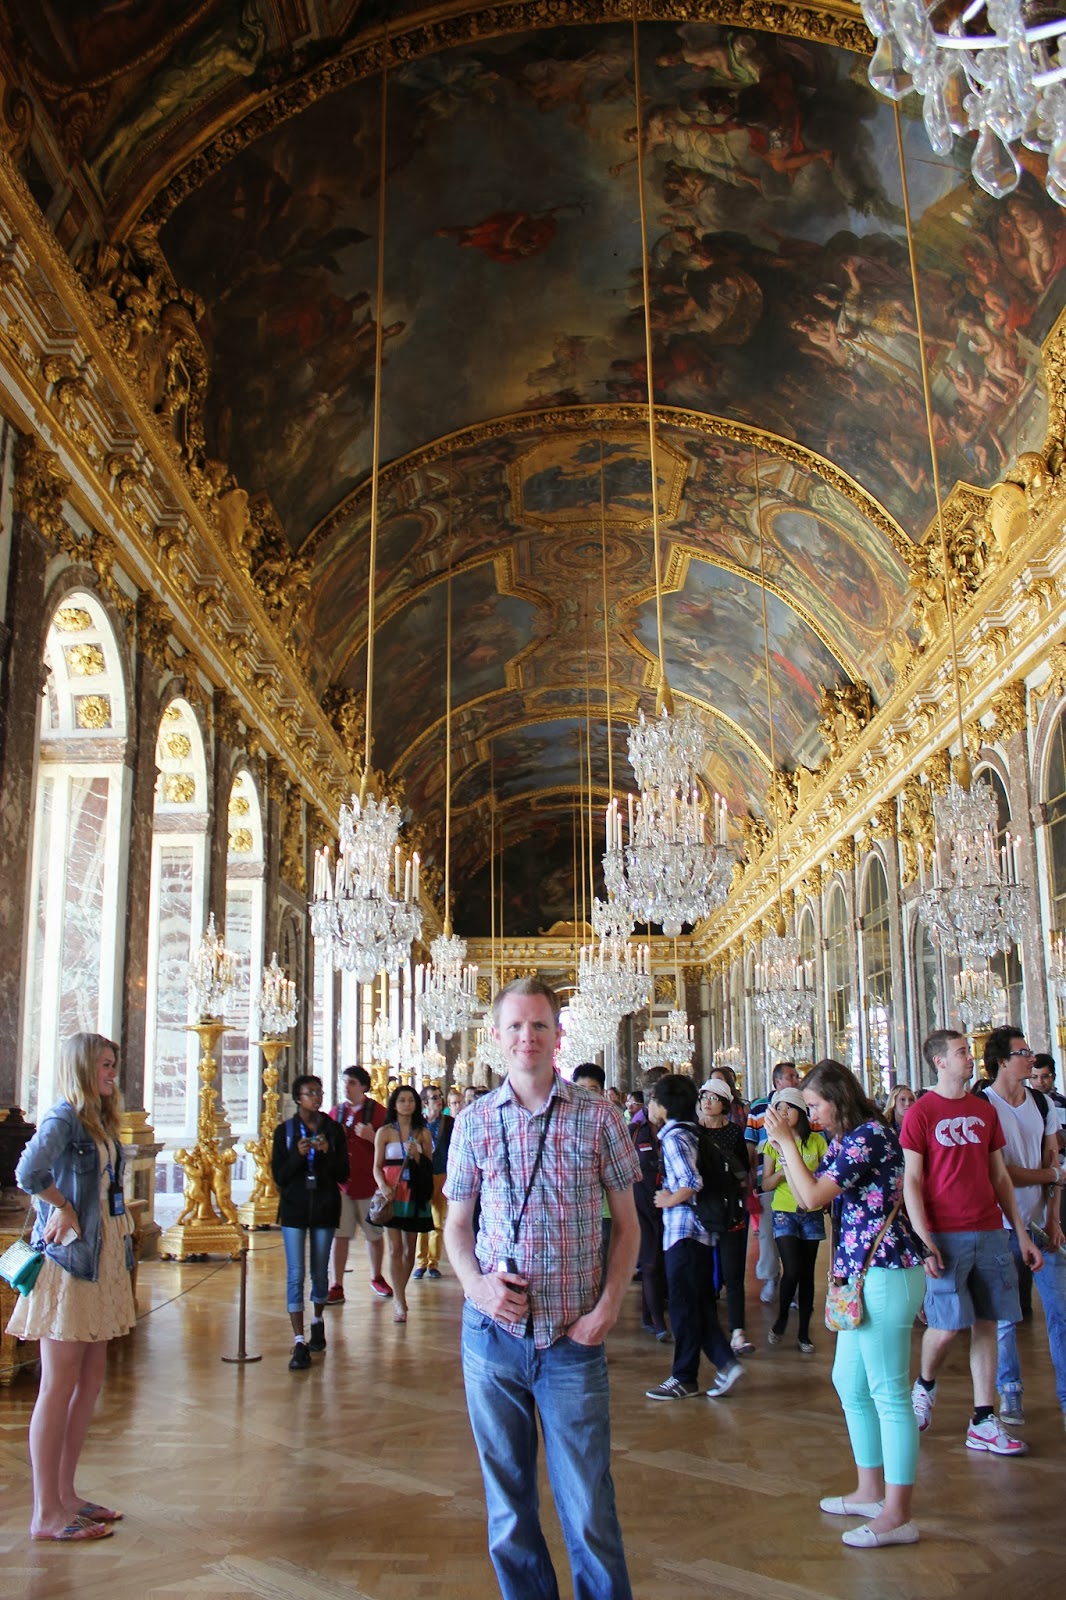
(201, 1229)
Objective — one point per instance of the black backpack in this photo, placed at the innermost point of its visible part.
(719, 1204)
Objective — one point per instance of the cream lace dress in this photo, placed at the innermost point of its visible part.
(61, 1306)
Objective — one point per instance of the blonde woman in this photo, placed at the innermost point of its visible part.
(83, 1296)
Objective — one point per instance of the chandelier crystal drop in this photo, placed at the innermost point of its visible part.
(212, 973)
(447, 986)
(980, 998)
(994, 68)
(669, 872)
(975, 906)
(784, 984)
(670, 1045)
(366, 912)
(276, 1005)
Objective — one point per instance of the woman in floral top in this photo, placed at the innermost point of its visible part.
(862, 1177)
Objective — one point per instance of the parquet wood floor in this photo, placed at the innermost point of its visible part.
(358, 1480)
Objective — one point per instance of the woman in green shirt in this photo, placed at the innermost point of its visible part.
(797, 1233)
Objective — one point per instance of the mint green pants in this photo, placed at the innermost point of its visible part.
(871, 1374)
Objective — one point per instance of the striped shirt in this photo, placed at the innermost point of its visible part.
(587, 1150)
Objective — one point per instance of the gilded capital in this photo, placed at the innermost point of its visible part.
(41, 486)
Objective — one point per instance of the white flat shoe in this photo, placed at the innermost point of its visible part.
(866, 1539)
(835, 1505)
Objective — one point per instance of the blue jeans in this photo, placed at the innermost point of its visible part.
(1050, 1284)
(321, 1239)
(509, 1383)
(871, 1374)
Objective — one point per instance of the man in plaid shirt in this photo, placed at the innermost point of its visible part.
(540, 1154)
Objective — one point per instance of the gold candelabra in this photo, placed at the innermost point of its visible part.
(201, 1230)
(261, 1207)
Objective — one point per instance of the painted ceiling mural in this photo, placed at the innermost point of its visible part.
(780, 290)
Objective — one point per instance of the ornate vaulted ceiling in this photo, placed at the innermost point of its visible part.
(793, 445)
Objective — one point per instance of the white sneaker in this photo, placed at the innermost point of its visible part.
(923, 1400)
(992, 1436)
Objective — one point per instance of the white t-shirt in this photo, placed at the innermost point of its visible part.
(1024, 1132)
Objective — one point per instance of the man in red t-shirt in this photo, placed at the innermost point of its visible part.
(955, 1185)
(360, 1117)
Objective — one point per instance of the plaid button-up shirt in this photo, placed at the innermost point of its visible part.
(587, 1150)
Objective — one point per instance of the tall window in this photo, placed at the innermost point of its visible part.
(77, 891)
(840, 998)
(877, 975)
(1055, 801)
(1007, 965)
(927, 985)
(179, 845)
(244, 936)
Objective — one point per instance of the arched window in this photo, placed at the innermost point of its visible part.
(244, 936)
(1006, 965)
(877, 974)
(77, 893)
(840, 999)
(179, 847)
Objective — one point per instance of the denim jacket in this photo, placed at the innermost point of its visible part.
(63, 1152)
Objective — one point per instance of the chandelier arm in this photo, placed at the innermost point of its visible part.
(375, 447)
(927, 395)
(664, 688)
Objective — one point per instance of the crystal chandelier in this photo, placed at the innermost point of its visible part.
(365, 922)
(732, 1057)
(668, 873)
(585, 1034)
(980, 998)
(614, 974)
(976, 906)
(383, 1040)
(784, 983)
(212, 973)
(446, 986)
(995, 68)
(276, 1005)
(488, 1055)
(671, 1045)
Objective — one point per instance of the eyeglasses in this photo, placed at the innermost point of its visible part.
(1026, 1053)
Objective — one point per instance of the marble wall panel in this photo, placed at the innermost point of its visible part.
(45, 803)
(238, 1012)
(83, 900)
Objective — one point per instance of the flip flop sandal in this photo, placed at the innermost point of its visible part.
(94, 1513)
(77, 1533)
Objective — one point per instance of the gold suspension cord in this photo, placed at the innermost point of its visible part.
(780, 925)
(448, 725)
(664, 699)
(588, 758)
(492, 864)
(375, 448)
(606, 632)
(963, 763)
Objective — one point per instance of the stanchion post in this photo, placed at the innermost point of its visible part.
(242, 1355)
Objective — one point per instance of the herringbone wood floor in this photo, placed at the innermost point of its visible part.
(359, 1478)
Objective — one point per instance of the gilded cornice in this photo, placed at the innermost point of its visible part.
(447, 28)
(90, 440)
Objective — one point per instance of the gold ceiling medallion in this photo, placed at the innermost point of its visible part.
(84, 660)
(179, 788)
(92, 711)
(72, 619)
(178, 746)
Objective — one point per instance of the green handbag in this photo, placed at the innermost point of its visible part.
(20, 1262)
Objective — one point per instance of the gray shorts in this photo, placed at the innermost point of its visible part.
(353, 1215)
(979, 1282)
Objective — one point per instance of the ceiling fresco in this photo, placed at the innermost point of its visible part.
(780, 286)
(793, 457)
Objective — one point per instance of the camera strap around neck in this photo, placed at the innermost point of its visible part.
(518, 1218)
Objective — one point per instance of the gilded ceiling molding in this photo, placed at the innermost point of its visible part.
(122, 462)
(599, 418)
(447, 28)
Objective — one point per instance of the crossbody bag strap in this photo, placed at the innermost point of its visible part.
(882, 1230)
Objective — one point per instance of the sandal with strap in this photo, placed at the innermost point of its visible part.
(94, 1513)
(77, 1532)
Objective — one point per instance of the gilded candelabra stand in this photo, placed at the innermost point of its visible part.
(201, 1229)
(261, 1207)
